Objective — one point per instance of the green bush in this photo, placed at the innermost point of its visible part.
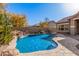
(5, 29)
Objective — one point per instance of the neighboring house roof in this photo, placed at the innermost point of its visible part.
(52, 21)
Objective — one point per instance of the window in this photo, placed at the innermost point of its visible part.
(61, 27)
(64, 27)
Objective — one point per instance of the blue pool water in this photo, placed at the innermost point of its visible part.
(33, 43)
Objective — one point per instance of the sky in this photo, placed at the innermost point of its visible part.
(37, 12)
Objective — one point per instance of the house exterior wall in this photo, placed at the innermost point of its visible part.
(71, 25)
(73, 29)
(63, 27)
(52, 27)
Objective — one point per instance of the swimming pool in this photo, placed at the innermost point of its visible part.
(32, 43)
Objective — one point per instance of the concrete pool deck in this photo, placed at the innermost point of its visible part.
(66, 47)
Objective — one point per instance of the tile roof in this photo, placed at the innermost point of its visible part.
(66, 19)
(52, 21)
(63, 20)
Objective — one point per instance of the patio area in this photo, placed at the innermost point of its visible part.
(70, 42)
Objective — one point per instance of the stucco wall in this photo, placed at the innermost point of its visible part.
(73, 29)
(52, 27)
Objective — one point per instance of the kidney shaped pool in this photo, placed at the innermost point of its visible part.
(32, 43)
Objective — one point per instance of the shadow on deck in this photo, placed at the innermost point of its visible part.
(70, 44)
